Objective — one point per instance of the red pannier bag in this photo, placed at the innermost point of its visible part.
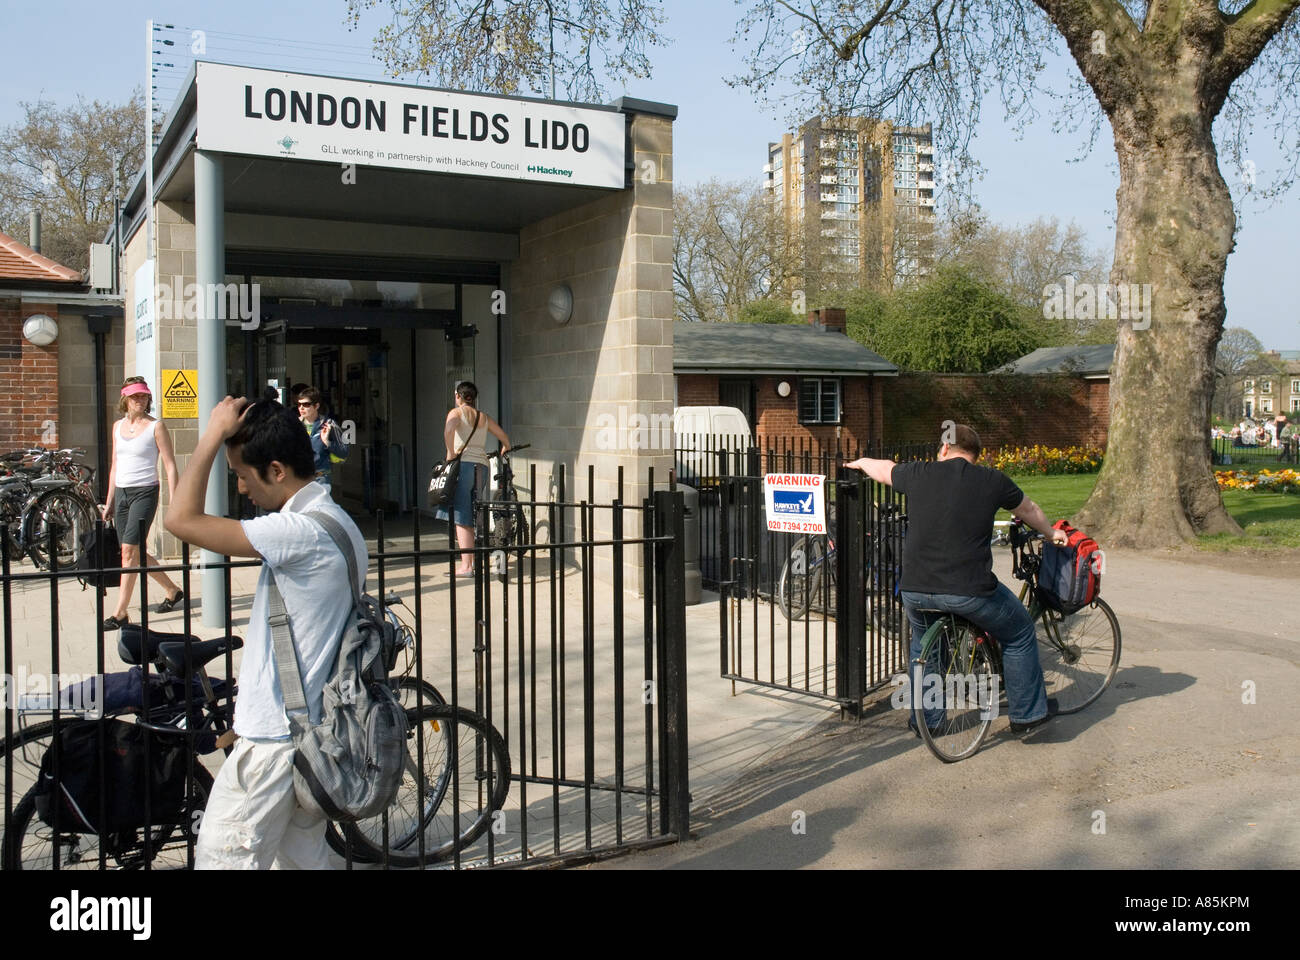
(1070, 576)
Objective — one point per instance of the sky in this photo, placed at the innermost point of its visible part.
(720, 132)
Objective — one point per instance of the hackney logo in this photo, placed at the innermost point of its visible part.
(288, 143)
(792, 501)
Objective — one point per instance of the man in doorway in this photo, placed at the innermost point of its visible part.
(948, 562)
(252, 819)
(326, 438)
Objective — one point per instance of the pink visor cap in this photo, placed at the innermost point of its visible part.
(130, 390)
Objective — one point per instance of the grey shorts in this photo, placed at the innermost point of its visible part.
(132, 505)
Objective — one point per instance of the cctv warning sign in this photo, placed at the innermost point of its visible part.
(180, 395)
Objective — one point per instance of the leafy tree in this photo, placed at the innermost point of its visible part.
(769, 311)
(61, 162)
(951, 322)
(1161, 72)
(517, 46)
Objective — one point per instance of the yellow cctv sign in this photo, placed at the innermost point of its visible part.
(180, 395)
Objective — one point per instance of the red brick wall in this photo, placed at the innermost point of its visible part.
(29, 380)
(1056, 411)
(861, 415)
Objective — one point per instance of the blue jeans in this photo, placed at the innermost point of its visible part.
(1003, 616)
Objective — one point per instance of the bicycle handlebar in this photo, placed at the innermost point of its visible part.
(515, 449)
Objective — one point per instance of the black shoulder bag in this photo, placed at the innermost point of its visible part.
(442, 481)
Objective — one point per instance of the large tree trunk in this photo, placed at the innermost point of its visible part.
(1174, 231)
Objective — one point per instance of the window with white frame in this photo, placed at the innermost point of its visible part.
(1266, 405)
(1295, 386)
(1266, 386)
(819, 400)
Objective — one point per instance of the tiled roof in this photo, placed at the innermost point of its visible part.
(21, 262)
(1087, 361)
(770, 347)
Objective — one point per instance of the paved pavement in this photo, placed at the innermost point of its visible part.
(1177, 769)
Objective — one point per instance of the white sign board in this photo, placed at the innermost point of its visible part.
(144, 323)
(272, 114)
(796, 502)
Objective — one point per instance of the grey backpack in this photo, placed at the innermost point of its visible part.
(348, 766)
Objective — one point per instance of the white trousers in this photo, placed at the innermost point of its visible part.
(253, 820)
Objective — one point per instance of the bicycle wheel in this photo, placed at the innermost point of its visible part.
(30, 843)
(508, 526)
(428, 807)
(886, 608)
(1079, 653)
(804, 575)
(64, 515)
(954, 679)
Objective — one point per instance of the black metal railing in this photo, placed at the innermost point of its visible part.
(1233, 453)
(590, 703)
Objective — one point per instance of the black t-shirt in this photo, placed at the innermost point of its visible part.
(950, 509)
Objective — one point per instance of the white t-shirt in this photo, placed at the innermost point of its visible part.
(312, 576)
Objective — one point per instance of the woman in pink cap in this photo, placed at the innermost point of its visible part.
(138, 440)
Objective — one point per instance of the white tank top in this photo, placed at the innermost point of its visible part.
(137, 458)
(476, 451)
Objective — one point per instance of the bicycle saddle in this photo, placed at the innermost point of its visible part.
(173, 652)
(130, 645)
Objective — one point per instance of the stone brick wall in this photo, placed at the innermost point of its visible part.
(77, 405)
(577, 386)
(29, 380)
(1006, 410)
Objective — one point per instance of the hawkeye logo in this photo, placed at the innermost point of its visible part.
(791, 501)
(287, 143)
(553, 171)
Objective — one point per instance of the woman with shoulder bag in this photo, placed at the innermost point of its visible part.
(465, 434)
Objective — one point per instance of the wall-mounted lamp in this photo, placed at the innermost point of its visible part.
(40, 330)
(559, 303)
(783, 388)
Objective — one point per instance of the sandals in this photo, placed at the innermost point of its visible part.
(116, 623)
(171, 603)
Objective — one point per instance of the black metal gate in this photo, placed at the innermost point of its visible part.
(815, 615)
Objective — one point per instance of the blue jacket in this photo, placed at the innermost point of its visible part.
(326, 455)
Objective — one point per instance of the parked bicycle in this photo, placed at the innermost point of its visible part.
(1079, 653)
(507, 525)
(808, 579)
(32, 841)
(449, 797)
(47, 502)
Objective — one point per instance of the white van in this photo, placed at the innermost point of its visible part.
(699, 433)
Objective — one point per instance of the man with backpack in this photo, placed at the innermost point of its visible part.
(948, 561)
(254, 819)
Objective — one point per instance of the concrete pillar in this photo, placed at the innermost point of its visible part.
(210, 270)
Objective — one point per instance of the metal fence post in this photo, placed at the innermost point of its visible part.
(850, 623)
(670, 589)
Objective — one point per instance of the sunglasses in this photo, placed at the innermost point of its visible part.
(303, 403)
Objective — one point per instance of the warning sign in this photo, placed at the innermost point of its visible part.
(796, 503)
(180, 396)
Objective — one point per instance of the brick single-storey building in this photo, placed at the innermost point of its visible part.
(802, 382)
(47, 395)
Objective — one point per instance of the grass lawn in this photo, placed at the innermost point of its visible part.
(1269, 519)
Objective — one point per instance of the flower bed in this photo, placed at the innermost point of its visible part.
(1048, 460)
(1274, 481)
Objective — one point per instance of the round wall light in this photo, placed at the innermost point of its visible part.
(783, 388)
(40, 330)
(559, 303)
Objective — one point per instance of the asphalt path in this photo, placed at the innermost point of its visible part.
(1188, 761)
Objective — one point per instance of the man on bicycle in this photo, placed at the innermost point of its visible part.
(252, 819)
(948, 562)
